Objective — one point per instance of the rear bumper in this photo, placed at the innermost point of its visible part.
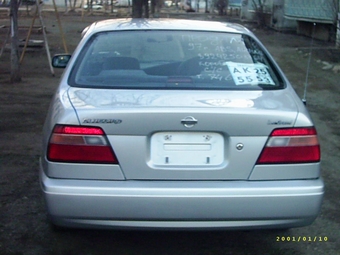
(182, 204)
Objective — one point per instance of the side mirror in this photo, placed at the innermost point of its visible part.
(61, 60)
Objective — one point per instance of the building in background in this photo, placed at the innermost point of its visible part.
(317, 18)
(273, 11)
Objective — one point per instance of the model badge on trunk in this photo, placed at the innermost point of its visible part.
(103, 121)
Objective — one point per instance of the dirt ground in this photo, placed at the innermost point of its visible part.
(24, 229)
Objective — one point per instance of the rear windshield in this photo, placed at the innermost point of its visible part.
(174, 60)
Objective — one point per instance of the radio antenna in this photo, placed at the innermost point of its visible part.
(308, 66)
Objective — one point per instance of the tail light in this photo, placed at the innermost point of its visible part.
(291, 145)
(79, 144)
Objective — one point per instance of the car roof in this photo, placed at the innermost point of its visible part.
(164, 24)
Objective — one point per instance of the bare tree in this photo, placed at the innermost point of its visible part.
(259, 7)
(140, 7)
(66, 6)
(153, 6)
(206, 6)
(72, 5)
(15, 63)
(112, 5)
(222, 7)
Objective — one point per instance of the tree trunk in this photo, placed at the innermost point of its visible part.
(137, 8)
(66, 6)
(111, 4)
(15, 64)
(146, 8)
(153, 6)
(259, 12)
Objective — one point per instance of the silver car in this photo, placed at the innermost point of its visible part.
(177, 124)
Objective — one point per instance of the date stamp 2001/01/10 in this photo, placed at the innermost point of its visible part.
(301, 239)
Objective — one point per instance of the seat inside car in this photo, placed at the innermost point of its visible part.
(121, 63)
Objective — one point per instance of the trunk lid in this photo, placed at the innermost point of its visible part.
(185, 135)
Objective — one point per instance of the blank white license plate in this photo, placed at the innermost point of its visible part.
(187, 149)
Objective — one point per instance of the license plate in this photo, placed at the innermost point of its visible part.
(187, 149)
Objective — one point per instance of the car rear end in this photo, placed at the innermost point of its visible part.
(197, 133)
